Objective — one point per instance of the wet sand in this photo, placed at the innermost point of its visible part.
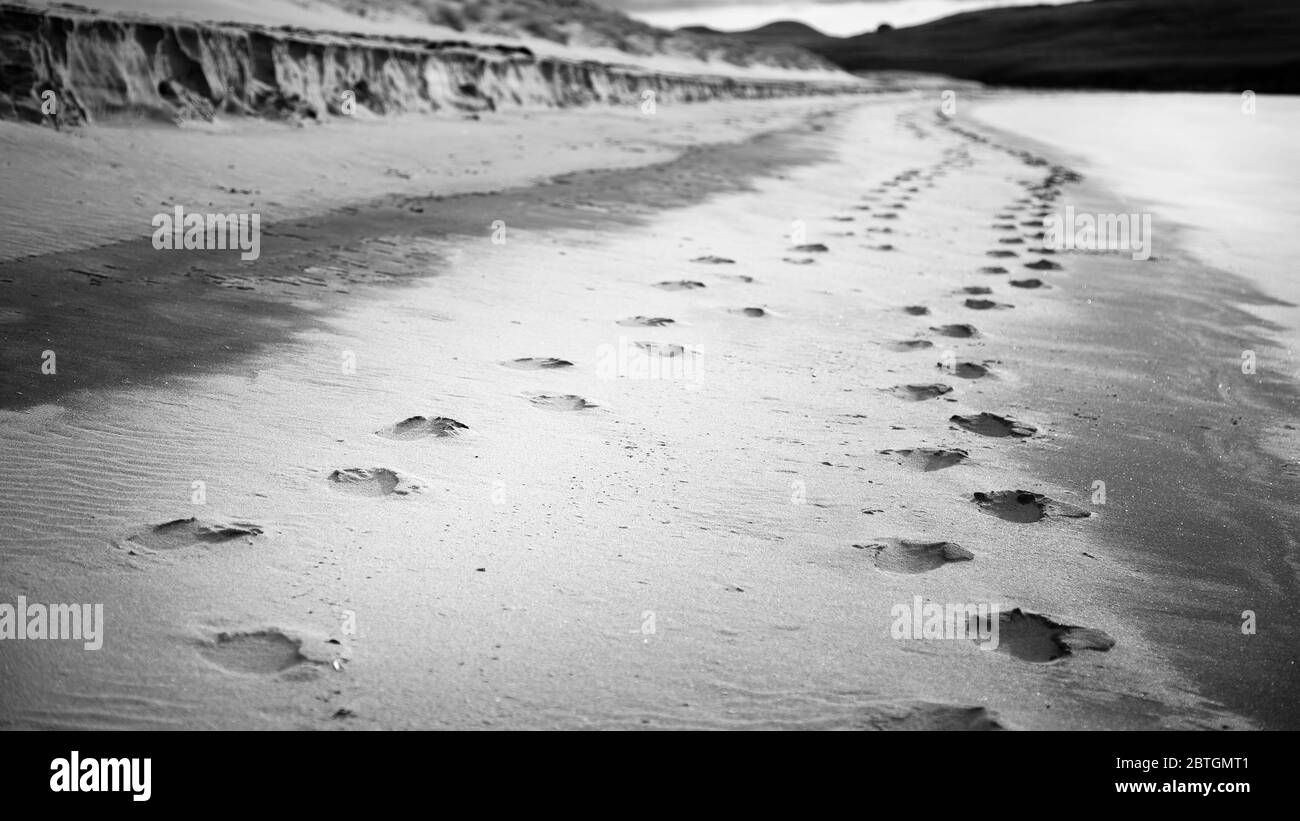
(594, 548)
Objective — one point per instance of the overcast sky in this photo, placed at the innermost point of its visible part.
(831, 16)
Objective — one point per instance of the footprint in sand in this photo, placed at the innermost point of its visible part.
(965, 370)
(535, 363)
(888, 215)
(270, 651)
(993, 269)
(1027, 283)
(999, 254)
(929, 459)
(668, 349)
(1040, 639)
(989, 424)
(374, 482)
(908, 556)
(1044, 265)
(913, 345)
(916, 310)
(182, 533)
(1011, 241)
(957, 331)
(712, 260)
(754, 312)
(1004, 226)
(931, 716)
(976, 289)
(885, 247)
(680, 285)
(645, 321)
(1025, 507)
(800, 261)
(919, 393)
(264, 652)
(985, 304)
(811, 248)
(419, 427)
(565, 402)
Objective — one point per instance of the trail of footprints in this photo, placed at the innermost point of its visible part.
(1026, 636)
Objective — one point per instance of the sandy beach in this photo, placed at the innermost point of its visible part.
(633, 422)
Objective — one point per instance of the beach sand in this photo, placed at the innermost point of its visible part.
(708, 523)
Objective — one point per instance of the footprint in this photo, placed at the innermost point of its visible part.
(746, 278)
(1040, 639)
(533, 363)
(930, 459)
(800, 261)
(566, 402)
(754, 312)
(418, 427)
(908, 556)
(985, 304)
(967, 370)
(1000, 254)
(957, 331)
(646, 321)
(976, 289)
(1025, 507)
(1004, 226)
(916, 310)
(930, 716)
(191, 532)
(919, 393)
(373, 482)
(680, 285)
(913, 345)
(1044, 265)
(263, 652)
(1027, 283)
(712, 260)
(888, 215)
(885, 247)
(811, 248)
(993, 269)
(1011, 241)
(663, 348)
(989, 424)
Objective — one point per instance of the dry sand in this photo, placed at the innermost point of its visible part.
(720, 550)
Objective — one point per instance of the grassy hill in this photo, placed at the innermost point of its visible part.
(587, 23)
